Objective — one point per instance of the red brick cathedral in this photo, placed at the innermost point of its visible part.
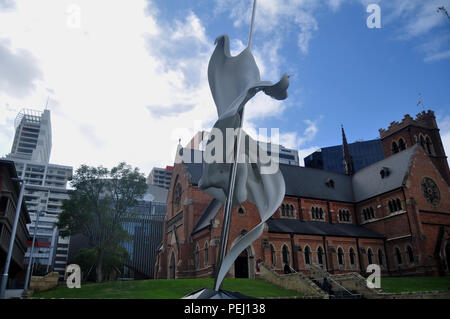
(394, 213)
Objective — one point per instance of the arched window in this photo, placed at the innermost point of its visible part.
(370, 256)
(344, 215)
(422, 141)
(291, 208)
(177, 197)
(372, 213)
(196, 257)
(428, 145)
(241, 211)
(394, 147)
(206, 254)
(401, 144)
(307, 255)
(398, 255)
(283, 212)
(399, 204)
(366, 217)
(410, 253)
(391, 207)
(285, 254)
(394, 205)
(352, 256)
(273, 255)
(380, 257)
(317, 213)
(340, 256)
(320, 255)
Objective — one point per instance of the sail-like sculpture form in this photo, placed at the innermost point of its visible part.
(233, 81)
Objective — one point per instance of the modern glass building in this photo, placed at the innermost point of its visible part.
(330, 158)
(145, 226)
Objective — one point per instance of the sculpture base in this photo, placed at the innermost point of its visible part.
(212, 294)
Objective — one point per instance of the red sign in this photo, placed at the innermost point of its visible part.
(38, 244)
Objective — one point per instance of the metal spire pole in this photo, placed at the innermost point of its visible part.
(231, 181)
(250, 37)
(30, 260)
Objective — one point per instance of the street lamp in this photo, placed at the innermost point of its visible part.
(30, 260)
(12, 239)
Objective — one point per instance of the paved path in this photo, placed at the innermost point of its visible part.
(13, 293)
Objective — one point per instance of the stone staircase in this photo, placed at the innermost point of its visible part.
(341, 286)
(334, 288)
(355, 282)
(293, 281)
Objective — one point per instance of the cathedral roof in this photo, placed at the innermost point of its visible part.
(295, 226)
(367, 182)
(327, 185)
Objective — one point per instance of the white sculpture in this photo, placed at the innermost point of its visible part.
(233, 81)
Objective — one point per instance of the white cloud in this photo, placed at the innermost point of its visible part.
(102, 77)
(335, 4)
(310, 131)
(125, 86)
(438, 56)
(19, 71)
(7, 5)
(276, 18)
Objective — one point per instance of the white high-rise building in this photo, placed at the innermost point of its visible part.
(45, 187)
(33, 137)
(160, 177)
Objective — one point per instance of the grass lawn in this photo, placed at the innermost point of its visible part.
(406, 284)
(165, 289)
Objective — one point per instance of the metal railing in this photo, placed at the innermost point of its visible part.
(324, 274)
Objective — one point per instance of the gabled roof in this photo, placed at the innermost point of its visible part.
(209, 213)
(195, 171)
(367, 182)
(295, 226)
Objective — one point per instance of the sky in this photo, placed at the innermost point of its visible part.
(125, 80)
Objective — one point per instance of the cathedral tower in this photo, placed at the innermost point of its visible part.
(423, 130)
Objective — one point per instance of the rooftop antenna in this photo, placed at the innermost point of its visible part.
(421, 102)
(251, 25)
(46, 104)
(444, 12)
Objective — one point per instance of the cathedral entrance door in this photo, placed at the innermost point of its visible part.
(241, 265)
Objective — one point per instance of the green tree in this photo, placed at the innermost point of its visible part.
(112, 260)
(99, 201)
